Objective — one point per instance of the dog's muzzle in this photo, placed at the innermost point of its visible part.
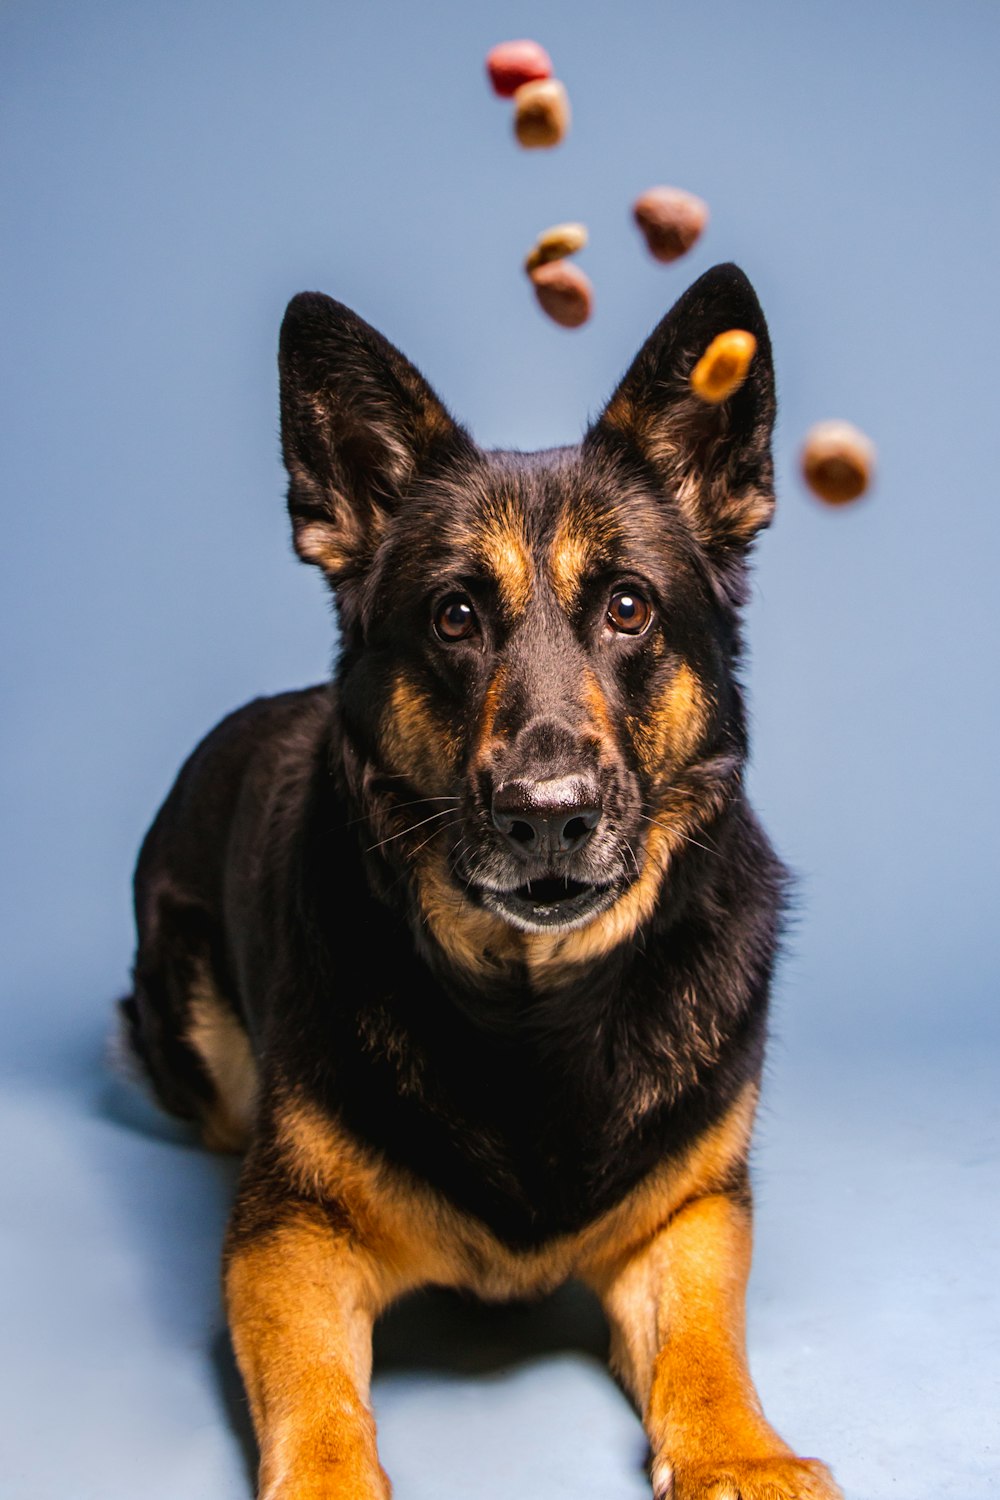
(545, 826)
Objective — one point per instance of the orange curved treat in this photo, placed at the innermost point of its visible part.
(541, 113)
(671, 220)
(564, 292)
(723, 367)
(837, 462)
(555, 244)
(509, 64)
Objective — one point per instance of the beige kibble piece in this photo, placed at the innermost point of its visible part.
(541, 113)
(838, 461)
(555, 244)
(564, 292)
(723, 367)
(671, 220)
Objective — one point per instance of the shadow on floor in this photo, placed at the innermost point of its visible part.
(445, 1333)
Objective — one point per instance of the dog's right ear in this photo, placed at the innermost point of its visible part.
(358, 424)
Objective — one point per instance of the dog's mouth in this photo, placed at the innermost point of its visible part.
(552, 901)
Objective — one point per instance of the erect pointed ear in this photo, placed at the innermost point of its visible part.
(358, 424)
(712, 460)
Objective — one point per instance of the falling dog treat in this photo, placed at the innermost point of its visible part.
(555, 244)
(510, 64)
(564, 292)
(541, 113)
(671, 220)
(723, 367)
(837, 462)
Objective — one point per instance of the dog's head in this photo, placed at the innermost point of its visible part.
(537, 672)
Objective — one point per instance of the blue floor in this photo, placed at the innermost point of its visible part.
(874, 1328)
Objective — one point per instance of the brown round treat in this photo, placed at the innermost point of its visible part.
(564, 292)
(671, 220)
(723, 367)
(837, 462)
(511, 64)
(541, 113)
(555, 244)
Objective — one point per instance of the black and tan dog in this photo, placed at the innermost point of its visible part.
(471, 949)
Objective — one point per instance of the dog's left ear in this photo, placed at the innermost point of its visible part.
(359, 424)
(712, 461)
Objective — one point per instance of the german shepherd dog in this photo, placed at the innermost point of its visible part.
(470, 948)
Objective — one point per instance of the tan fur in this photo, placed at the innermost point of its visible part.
(581, 536)
(301, 1301)
(671, 732)
(320, 543)
(492, 700)
(622, 414)
(416, 740)
(676, 1308)
(740, 515)
(501, 542)
(222, 1043)
(597, 706)
(475, 940)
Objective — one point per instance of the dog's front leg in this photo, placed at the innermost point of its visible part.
(676, 1308)
(302, 1294)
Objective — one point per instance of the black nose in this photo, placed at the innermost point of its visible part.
(547, 817)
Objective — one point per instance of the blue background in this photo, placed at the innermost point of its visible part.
(170, 175)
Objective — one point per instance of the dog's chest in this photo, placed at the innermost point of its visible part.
(534, 1146)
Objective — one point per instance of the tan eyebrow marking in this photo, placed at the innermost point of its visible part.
(582, 535)
(501, 542)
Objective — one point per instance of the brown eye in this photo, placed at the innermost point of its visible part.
(629, 612)
(455, 619)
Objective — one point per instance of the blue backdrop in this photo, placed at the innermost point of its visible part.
(171, 174)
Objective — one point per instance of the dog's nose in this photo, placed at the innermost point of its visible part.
(547, 817)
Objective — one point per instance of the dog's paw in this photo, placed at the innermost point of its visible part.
(777, 1478)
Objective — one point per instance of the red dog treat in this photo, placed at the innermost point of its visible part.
(837, 462)
(564, 292)
(512, 63)
(724, 365)
(541, 113)
(671, 220)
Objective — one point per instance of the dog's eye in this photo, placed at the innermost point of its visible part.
(629, 612)
(455, 619)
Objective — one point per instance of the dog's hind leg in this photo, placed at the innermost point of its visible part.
(184, 1032)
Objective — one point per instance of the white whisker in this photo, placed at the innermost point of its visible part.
(444, 813)
(667, 828)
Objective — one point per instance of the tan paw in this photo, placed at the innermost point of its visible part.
(747, 1479)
